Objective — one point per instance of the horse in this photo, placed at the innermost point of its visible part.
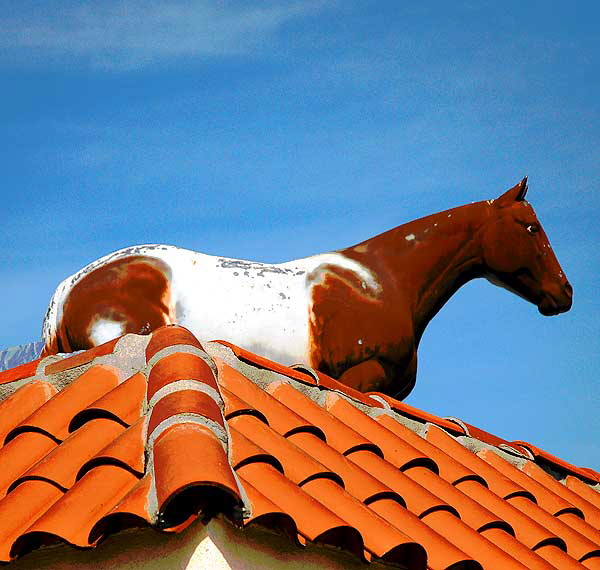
(356, 314)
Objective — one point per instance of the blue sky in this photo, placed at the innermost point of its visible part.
(272, 131)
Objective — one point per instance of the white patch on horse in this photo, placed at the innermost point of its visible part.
(343, 262)
(262, 307)
(104, 330)
(410, 237)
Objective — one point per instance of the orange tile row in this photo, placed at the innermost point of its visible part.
(175, 335)
(457, 505)
(57, 481)
(175, 440)
(74, 463)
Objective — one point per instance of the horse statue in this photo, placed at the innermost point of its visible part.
(356, 314)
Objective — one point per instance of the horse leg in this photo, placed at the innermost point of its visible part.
(384, 376)
(405, 382)
(368, 376)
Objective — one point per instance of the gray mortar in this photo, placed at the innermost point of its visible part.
(475, 445)
(129, 355)
(263, 378)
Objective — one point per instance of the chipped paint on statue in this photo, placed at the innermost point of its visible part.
(357, 314)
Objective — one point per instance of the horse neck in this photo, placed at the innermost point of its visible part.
(428, 260)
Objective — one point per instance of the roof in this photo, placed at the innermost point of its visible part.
(158, 430)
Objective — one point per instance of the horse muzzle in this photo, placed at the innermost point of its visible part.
(552, 305)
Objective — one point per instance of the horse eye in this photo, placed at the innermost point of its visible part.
(533, 228)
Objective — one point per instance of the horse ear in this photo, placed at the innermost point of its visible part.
(516, 194)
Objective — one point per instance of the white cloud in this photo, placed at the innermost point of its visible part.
(136, 33)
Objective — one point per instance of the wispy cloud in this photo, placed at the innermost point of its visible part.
(135, 33)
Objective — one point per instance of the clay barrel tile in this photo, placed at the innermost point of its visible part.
(591, 563)
(192, 474)
(508, 543)
(179, 366)
(420, 415)
(72, 517)
(314, 521)
(185, 402)
(61, 465)
(396, 450)
(339, 435)
(472, 512)
(578, 545)
(502, 485)
(587, 494)
(418, 498)
(81, 358)
(262, 362)
(471, 542)
(22, 403)
(127, 450)
(19, 454)
(55, 415)
(243, 450)
(130, 511)
(20, 372)
(446, 465)
(581, 526)
(266, 513)
(381, 538)
(235, 406)
(123, 404)
(359, 481)
(557, 558)
(330, 383)
(164, 337)
(548, 458)
(527, 530)
(281, 418)
(441, 553)
(547, 499)
(19, 509)
(298, 466)
(590, 511)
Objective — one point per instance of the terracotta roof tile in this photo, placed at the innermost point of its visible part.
(123, 404)
(281, 418)
(544, 456)
(54, 416)
(20, 454)
(200, 430)
(25, 370)
(81, 358)
(297, 465)
(22, 403)
(60, 466)
(315, 522)
(126, 450)
(191, 474)
(268, 514)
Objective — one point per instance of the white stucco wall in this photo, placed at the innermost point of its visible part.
(218, 546)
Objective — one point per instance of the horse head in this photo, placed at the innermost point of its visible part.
(517, 254)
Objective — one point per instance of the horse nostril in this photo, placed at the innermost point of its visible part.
(569, 289)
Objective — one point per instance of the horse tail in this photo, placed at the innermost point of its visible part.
(50, 326)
